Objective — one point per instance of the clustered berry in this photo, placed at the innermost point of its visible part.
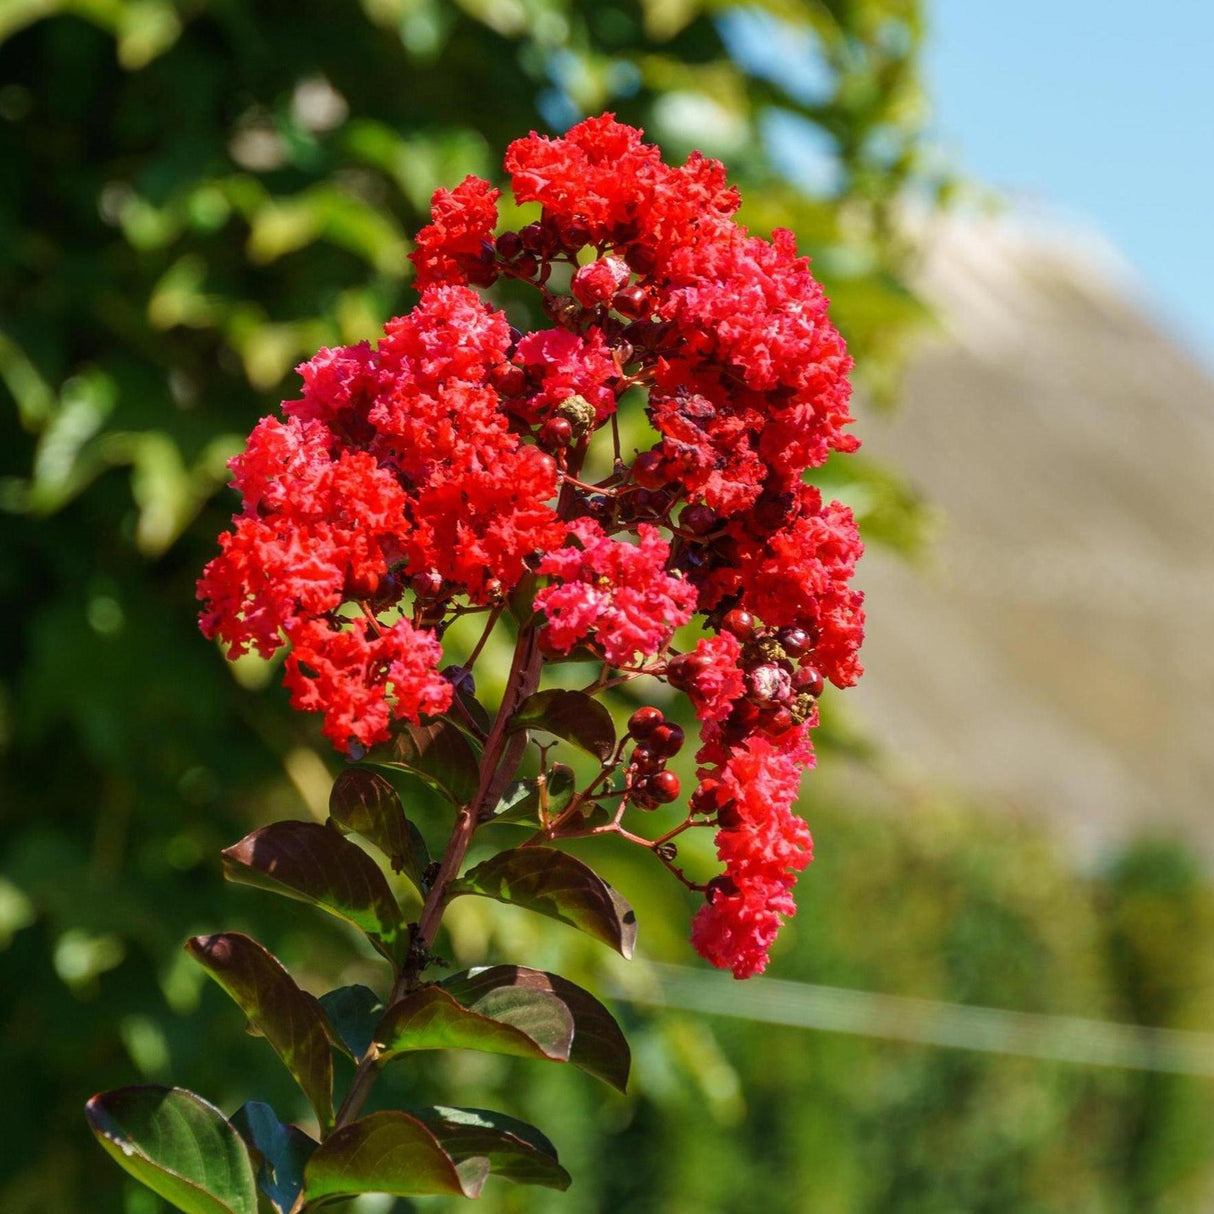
(426, 476)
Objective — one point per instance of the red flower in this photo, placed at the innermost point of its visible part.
(407, 485)
(361, 681)
(763, 846)
(457, 245)
(616, 591)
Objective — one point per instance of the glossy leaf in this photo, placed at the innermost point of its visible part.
(279, 1152)
(178, 1145)
(521, 801)
(290, 1019)
(390, 1152)
(572, 715)
(598, 1047)
(353, 1012)
(364, 802)
(516, 1151)
(526, 1024)
(556, 884)
(315, 864)
(438, 752)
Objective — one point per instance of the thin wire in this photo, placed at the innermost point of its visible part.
(1067, 1039)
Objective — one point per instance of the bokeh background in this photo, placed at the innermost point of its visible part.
(1012, 812)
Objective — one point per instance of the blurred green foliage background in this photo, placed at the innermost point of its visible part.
(194, 196)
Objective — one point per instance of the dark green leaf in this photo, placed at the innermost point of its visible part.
(527, 1024)
(353, 1012)
(554, 884)
(599, 1047)
(315, 864)
(289, 1019)
(282, 1150)
(178, 1145)
(436, 751)
(572, 715)
(521, 801)
(390, 1152)
(363, 801)
(516, 1151)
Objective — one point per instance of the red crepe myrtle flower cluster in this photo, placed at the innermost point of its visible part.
(429, 475)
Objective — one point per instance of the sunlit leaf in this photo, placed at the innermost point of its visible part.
(390, 1152)
(290, 1019)
(556, 884)
(516, 1151)
(364, 802)
(525, 1023)
(315, 864)
(178, 1145)
(572, 715)
(438, 752)
(520, 802)
(598, 1046)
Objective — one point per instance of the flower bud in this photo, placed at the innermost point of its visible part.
(555, 434)
(644, 721)
(632, 302)
(739, 623)
(667, 739)
(809, 681)
(509, 245)
(647, 470)
(682, 672)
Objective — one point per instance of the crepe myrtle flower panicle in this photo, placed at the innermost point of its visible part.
(437, 473)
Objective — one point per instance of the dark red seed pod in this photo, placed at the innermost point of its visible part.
(795, 642)
(574, 236)
(663, 787)
(511, 380)
(744, 715)
(707, 798)
(728, 817)
(632, 302)
(721, 887)
(645, 720)
(493, 588)
(643, 759)
(698, 519)
(640, 258)
(549, 465)
(667, 739)
(739, 623)
(624, 352)
(525, 266)
(555, 434)
(427, 585)
(642, 799)
(682, 672)
(535, 239)
(779, 721)
(509, 245)
(809, 681)
(647, 471)
(362, 587)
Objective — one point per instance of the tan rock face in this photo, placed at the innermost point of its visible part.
(1057, 652)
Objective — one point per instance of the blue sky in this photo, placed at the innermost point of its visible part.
(1103, 111)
